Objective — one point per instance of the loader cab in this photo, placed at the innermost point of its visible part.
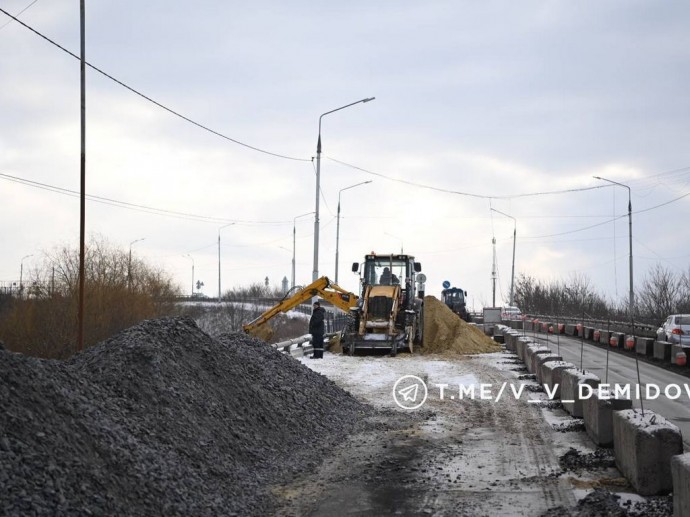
(390, 270)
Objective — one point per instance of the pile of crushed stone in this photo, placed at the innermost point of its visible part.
(574, 460)
(162, 420)
(445, 331)
(598, 503)
(602, 503)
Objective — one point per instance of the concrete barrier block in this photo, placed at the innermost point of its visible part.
(570, 329)
(521, 345)
(513, 336)
(677, 349)
(588, 332)
(539, 359)
(598, 414)
(570, 390)
(604, 336)
(529, 354)
(552, 375)
(662, 350)
(618, 338)
(643, 447)
(680, 472)
(644, 346)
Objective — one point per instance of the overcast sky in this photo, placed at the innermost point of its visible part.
(494, 99)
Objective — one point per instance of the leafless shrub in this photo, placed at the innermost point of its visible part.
(117, 294)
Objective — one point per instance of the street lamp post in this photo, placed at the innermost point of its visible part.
(315, 272)
(129, 263)
(21, 275)
(219, 229)
(512, 274)
(337, 231)
(192, 259)
(294, 238)
(632, 292)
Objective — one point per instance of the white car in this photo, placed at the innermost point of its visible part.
(676, 329)
(511, 313)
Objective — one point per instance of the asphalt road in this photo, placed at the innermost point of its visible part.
(622, 370)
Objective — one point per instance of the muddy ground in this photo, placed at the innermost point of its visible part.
(475, 457)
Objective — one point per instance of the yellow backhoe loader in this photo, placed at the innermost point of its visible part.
(389, 316)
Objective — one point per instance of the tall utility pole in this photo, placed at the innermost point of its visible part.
(493, 274)
(315, 271)
(192, 259)
(82, 197)
(512, 274)
(219, 229)
(337, 231)
(21, 275)
(129, 264)
(294, 243)
(632, 291)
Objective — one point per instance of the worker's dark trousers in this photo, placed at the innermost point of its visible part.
(317, 343)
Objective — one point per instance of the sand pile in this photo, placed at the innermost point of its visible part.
(444, 331)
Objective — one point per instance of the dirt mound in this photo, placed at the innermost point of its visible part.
(162, 420)
(445, 331)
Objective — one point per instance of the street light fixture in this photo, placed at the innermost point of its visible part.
(219, 229)
(21, 275)
(129, 263)
(192, 259)
(512, 274)
(315, 272)
(337, 232)
(632, 292)
(294, 234)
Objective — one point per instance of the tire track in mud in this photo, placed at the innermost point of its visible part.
(454, 457)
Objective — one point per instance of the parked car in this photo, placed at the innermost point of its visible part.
(511, 313)
(676, 329)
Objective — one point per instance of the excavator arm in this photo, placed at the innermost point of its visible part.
(322, 287)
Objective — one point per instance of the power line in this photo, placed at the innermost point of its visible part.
(134, 206)
(458, 192)
(136, 92)
(20, 12)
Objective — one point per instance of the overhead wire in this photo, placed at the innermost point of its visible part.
(461, 193)
(134, 206)
(681, 171)
(20, 12)
(151, 100)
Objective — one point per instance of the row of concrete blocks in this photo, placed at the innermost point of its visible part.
(660, 350)
(648, 448)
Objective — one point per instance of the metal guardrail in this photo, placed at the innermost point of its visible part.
(637, 328)
(301, 345)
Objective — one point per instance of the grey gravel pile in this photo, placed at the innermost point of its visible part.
(574, 460)
(162, 420)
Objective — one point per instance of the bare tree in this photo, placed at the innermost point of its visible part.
(660, 293)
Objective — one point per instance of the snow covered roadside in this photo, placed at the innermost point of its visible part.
(459, 456)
